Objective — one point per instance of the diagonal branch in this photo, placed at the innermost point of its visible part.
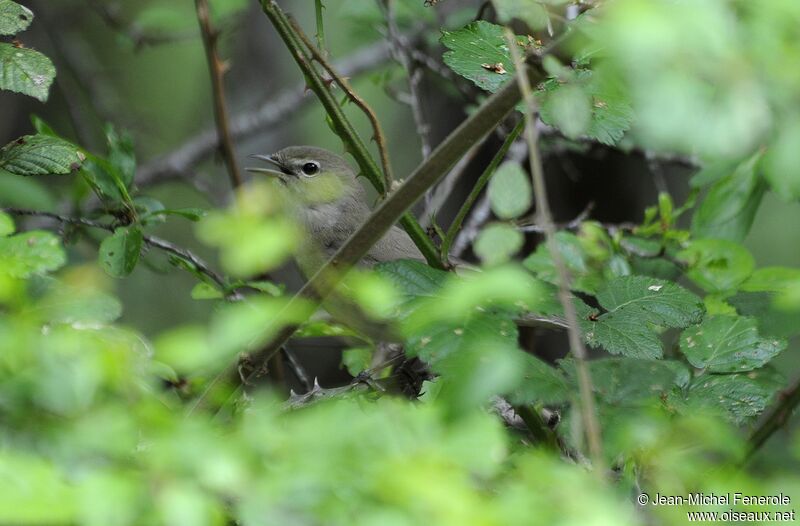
(577, 348)
(321, 284)
(217, 69)
(788, 400)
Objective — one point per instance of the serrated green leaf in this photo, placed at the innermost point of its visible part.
(717, 265)
(413, 278)
(631, 381)
(727, 212)
(25, 71)
(510, 191)
(540, 384)
(7, 226)
(30, 253)
(741, 397)
(40, 155)
(479, 52)
(120, 251)
(634, 303)
(727, 344)
(497, 243)
(192, 214)
(610, 112)
(586, 278)
(14, 17)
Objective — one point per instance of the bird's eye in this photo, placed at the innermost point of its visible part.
(310, 168)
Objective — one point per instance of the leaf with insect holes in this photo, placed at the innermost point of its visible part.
(634, 305)
(40, 155)
(479, 52)
(120, 251)
(25, 71)
(728, 344)
(14, 17)
(510, 191)
(740, 397)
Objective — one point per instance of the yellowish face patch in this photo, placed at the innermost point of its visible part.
(324, 188)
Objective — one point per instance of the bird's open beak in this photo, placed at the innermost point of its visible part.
(279, 172)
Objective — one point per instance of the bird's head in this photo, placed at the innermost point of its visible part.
(313, 174)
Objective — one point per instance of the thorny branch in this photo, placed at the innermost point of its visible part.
(217, 70)
(377, 131)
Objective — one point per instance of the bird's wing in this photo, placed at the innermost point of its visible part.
(394, 245)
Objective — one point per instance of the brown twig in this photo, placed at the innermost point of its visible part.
(577, 348)
(380, 138)
(217, 70)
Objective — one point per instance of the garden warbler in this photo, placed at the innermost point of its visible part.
(331, 204)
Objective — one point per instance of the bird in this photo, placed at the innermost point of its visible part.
(331, 204)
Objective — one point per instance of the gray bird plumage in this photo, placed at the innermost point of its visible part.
(331, 204)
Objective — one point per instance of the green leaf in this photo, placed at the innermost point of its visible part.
(206, 291)
(728, 210)
(121, 155)
(772, 321)
(601, 109)
(412, 278)
(586, 278)
(569, 109)
(780, 161)
(634, 303)
(497, 242)
(192, 214)
(541, 384)
(7, 226)
(25, 71)
(741, 397)
(531, 12)
(717, 265)
(727, 344)
(30, 253)
(357, 359)
(510, 191)
(120, 251)
(14, 17)
(479, 52)
(631, 381)
(316, 329)
(40, 155)
(770, 279)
